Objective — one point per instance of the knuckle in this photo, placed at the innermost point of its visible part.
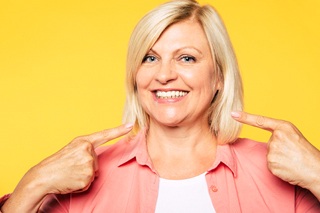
(271, 158)
(83, 184)
(272, 164)
(287, 125)
(272, 169)
(269, 165)
(86, 145)
(89, 176)
(89, 173)
(90, 161)
(297, 137)
(278, 135)
(78, 139)
(272, 147)
(87, 161)
(260, 121)
(86, 176)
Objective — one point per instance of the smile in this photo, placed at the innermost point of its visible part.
(170, 94)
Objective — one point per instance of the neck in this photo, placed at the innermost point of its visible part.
(182, 138)
(181, 152)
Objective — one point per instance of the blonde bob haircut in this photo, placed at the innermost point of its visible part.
(147, 32)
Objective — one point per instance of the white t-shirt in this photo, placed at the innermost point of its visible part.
(187, 196)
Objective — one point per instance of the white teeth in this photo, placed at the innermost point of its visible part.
(170, 94)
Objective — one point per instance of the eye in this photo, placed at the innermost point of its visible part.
(188, 59)
(149, 59)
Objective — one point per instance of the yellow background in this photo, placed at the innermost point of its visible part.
(62, 69)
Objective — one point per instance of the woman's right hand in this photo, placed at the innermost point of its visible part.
(71, 169)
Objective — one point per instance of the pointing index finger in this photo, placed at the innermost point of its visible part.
(262, 122)
(99, 138)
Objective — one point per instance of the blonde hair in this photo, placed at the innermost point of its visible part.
(146, 33)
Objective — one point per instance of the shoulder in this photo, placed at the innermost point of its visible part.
(252, 167)
(250, 149)
(250, 153)
(245, 144)
(251, 159)
(252, 164)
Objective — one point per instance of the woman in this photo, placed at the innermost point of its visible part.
(183, 155)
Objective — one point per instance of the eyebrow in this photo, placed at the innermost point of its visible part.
(189, 47)
(153, 51)
(179, 49)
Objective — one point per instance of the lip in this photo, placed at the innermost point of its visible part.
(168, 89)
(168, 100)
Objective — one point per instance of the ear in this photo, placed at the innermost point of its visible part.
(219, 84)
(218, 78)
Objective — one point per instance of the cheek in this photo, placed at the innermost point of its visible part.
(208, 84)
(139, 78)
(142, 82)
(143, 79)
(203, 78)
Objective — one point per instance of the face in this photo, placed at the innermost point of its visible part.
(175, 82)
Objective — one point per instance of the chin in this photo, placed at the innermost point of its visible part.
(170, 122)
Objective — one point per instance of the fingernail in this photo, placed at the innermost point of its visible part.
(236, 114)
(128, 125)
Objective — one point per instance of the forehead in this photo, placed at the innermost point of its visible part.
(184, 33)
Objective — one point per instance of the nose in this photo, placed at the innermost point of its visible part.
(166, 72)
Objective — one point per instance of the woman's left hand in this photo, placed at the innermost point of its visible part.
(291, 156)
